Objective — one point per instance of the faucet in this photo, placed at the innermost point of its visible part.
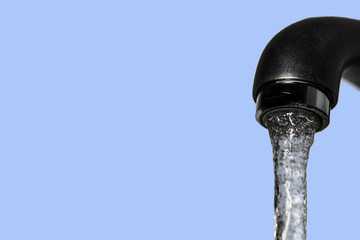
(302, 66)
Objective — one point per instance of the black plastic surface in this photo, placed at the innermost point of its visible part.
(315, 51)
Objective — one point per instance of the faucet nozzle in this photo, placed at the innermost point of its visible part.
(290, 95)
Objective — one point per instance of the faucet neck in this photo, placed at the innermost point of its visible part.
(314, 51)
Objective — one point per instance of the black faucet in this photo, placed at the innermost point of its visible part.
(301, 67)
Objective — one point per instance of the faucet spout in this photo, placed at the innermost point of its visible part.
(302, 66)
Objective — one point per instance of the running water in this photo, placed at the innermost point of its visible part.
(292, 134)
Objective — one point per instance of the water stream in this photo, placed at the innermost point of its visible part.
(291, 134)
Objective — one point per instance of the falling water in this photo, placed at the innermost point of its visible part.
(292, 134)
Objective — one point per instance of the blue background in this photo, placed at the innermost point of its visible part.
(134, 120)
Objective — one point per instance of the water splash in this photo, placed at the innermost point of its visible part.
(291, 134)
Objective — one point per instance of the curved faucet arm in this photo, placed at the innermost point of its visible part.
(314, 51)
